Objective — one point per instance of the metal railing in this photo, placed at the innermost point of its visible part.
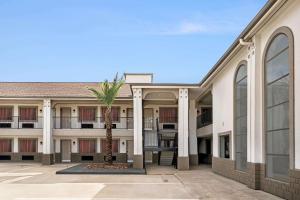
(151, 123)
(96, 123)
(17, 122)
(204, 119)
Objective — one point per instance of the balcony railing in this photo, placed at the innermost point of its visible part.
(204, 119)
(151, 123)
(17, 122)
(97, 123)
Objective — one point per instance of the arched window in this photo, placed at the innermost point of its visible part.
(278, 105)
(241, 118)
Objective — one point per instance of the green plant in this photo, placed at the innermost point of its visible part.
(107, 94)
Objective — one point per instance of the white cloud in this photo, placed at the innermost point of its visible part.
(184, 28)
(190, 28)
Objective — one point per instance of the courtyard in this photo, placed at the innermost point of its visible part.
(35, 181)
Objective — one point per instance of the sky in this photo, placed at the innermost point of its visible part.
(91, 40)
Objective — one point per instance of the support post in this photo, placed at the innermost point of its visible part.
(183, 129)
(138, 128)
(48, 157)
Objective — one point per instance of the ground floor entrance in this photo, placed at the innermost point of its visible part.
(204, 145)
(66, 150)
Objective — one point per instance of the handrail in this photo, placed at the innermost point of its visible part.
(20, 122)
(76, 122)
(204, 119)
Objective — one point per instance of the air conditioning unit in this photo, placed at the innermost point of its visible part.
(168, 126)
(87, 125)
(27, 125)
(5, 125)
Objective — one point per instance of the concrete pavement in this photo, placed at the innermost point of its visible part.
(35, 181)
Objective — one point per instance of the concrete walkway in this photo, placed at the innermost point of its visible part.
(34, 181)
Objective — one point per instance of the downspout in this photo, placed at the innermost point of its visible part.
(244, 43)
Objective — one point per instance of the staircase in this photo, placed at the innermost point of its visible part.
(166, 158)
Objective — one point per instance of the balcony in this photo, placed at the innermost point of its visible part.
(17, 122)
(96, 123)
(204, 119)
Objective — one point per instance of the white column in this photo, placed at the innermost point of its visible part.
(47, 133)
(255, 130)
(16, 117)
(98, 145)
(183, 129)
(57, 145)
(138, 127)
(193, 133)
(16, 145)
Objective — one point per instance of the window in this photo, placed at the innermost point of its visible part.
(168, 115)
(27, 145)
(240, 118)
(115, 114)
(87, 114)
(224, 146)
(6, 113)
(277, 106)
(87, 145)
(28, 114)
(5, 145)
(129, 118)
(115, 146)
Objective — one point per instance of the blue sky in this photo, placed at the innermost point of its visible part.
(91, 40)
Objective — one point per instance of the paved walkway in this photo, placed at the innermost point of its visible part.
(34, 181)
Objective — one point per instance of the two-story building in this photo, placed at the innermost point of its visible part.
(242, 118)
(63, 122)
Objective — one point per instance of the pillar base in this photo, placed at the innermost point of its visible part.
(138, 161)
(47, 159)
(183, 163)
(194, 159)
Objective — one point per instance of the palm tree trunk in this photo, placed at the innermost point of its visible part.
(108, 123)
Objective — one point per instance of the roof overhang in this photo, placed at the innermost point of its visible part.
(164, 85)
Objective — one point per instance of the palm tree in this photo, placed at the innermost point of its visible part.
(106, 94)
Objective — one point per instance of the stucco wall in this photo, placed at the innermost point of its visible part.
(222, 88)
(222, 92)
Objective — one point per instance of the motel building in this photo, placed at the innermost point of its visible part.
(243, 118)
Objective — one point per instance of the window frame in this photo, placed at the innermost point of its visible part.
(29, 121)
(234, 142)
(12, 113)
(230, 144)
(80, 114)
(286, 31)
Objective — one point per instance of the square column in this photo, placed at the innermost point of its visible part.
(183, 129)
(138, 128)
(255, 130)
(48, 157)
(193, 151)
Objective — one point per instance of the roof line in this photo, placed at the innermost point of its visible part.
(164, 84)
(248, 28)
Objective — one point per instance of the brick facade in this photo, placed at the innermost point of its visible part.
(17, 157)
(255, 178)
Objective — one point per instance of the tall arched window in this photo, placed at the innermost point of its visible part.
(241, 118)
(278, 105)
